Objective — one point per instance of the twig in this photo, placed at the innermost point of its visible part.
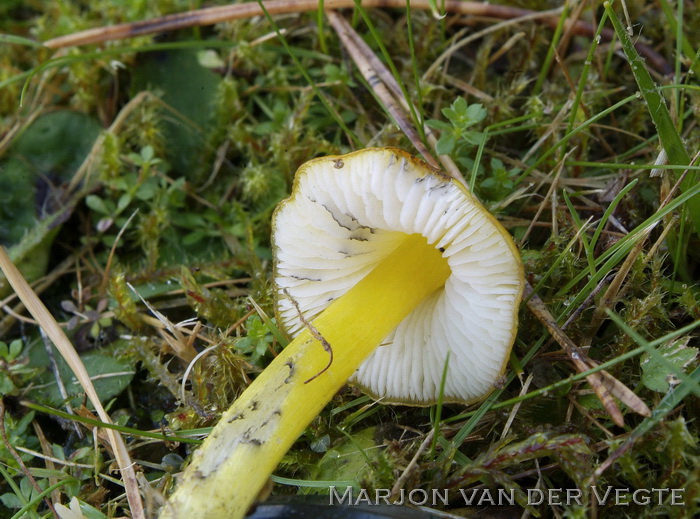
(213, 15)
(605, 385)
(516, 407)
(376, 68)
(48, 460)
(377, 83)
(401, 481)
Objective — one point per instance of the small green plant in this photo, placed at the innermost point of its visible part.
(456, 137)
(257, 341)
(14, 369)
(500, 182)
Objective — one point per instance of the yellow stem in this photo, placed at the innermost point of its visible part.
(228, 471)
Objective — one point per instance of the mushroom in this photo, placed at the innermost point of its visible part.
(387, 271)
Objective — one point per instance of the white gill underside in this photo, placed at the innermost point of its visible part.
(344, 221)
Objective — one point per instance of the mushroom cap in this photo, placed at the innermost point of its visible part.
(346, 214)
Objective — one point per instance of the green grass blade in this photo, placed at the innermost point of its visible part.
(615, 254)
(15, 489)
(98, 423)
(582, 235)
(609, 211)
(438, 407)
(19, 40)
(584, 72)
(683, 40)
(417, 122)
(477, 161)
(544, 70)
(35, 500)
(332, 111)
(319, 22)
(314, 484)
(548, 390)
(656, 104)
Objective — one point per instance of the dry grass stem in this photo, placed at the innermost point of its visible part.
(514, 412)
(63, 344)
(372, 67)
(359, 53)
(550, 193)
(612, 293)
(170, 332)
(410, 468)
(39, 286)
(212, 15)
(605, 385)
(523, 16)
(48, 459)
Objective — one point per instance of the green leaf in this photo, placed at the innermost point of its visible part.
(476, 113)
(110, 374)
(147, 154)
(187, 87)
(41, 158)
(654, 374)
(439, 125)
(348, 459)
(460, 106)
(123, 202)
(15, 349)
(97, 204)
(475, 138)
(193, 237)
(11, 500)
(7, 387)
(446, 144)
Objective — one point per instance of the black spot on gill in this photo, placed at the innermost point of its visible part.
(340, 224)
(303, 278)
(441, 185)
